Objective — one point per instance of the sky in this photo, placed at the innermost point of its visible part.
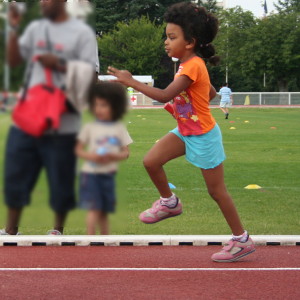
(254, 5)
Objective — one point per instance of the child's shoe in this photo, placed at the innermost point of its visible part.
(54, 232)
(234, 250)
(159, 212)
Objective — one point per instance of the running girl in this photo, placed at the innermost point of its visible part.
(190, 31)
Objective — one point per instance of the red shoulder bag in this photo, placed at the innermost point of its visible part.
(40, 107)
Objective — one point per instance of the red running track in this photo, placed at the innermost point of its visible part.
(155, 284)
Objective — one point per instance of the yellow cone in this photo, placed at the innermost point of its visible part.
(246, 121)
(232, 128)
(252, 187)
(247, 100)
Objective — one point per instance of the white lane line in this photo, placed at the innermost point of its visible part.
(149, 269)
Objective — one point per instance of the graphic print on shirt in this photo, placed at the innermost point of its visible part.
(184, 111)
(107, 144)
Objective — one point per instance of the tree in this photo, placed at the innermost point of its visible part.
(275, 52)
(210, 5)
(287, 6)
(110, 12)
(136, 46)
(234, 24)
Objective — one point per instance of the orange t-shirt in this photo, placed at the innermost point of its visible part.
(191, 107)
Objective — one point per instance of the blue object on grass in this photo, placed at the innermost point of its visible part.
(172, 186)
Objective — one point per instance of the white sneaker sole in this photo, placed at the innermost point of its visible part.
(234, 259)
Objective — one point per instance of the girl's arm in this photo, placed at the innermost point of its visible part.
(173, 90)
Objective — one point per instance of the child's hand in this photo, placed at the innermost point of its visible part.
(102, 159)
(123, 76)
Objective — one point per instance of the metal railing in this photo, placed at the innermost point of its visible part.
(247, 99)
(264, 98)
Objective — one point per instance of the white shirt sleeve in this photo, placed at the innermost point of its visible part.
(125, 137)
(26, 41)
(87, 46)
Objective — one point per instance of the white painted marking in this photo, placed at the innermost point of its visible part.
(204, 189)
(149, 269)
(142, 240)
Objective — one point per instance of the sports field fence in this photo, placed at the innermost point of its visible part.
(251, 98)
(240, 98)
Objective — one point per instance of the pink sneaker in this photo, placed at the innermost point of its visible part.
(234, 250)
(160, 212)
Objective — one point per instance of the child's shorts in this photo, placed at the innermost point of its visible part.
(225, 104)
(205, 151)
(97, 192)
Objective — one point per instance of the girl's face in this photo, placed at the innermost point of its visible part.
(175, 44)
(102, 110)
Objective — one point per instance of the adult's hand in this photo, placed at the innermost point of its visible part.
(49, 61)
(14, 16)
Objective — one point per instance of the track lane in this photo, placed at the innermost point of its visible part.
(220, 284)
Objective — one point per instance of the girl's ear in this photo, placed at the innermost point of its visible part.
(191, 44)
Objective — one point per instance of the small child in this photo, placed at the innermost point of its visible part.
(102, 144)
(190, 31)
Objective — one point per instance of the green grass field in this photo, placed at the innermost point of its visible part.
(256, 154)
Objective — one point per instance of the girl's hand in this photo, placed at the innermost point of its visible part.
(123, 76)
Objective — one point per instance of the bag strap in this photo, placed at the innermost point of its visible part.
(48, 72)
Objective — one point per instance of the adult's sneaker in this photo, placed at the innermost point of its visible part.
(234, 250)
(159, 212)
(3, 232)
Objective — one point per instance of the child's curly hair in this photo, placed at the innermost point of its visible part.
(197, 24)
(112, 92)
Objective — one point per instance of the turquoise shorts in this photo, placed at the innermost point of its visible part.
(205, 151)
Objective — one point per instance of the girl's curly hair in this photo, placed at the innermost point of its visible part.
(197, 24)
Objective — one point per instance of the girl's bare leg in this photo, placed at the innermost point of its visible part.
(168, 148)
(214, 179)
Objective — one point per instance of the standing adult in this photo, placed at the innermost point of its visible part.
(69, 39)
(226, 99)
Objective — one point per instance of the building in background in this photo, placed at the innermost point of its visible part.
(135, 97)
